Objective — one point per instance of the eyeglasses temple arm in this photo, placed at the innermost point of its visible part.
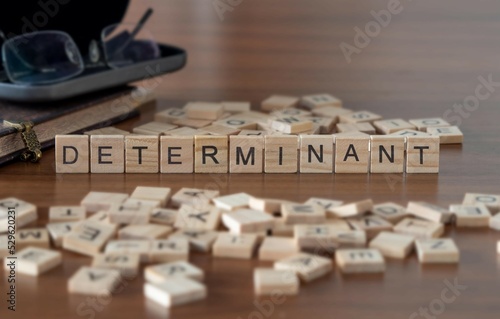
(136, 30)
(141, 22)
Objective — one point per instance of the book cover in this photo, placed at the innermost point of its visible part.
(65, 117)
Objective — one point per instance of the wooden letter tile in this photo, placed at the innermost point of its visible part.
(268, 281)
(363, 127)
(359, 117)
(176, 154)
(291, 124)
(165, 216)
(408, 132)
(153, 128)
(202, 217)
(193, 196)
(303, 213)
(371, 224)
(349, 238)
(349, 134)
(149, 231)
(332, 112)
(192, 123)
(141, 154)
(393, 245)
(281, 228)
(387, 154)
(199, 240)
(233, 201)
(161, 194)
(142, 202)
(217, 129)
(37, 237)
(316, 154)
(393, 126)
(340, 224)
(441, 250)
(239, 246)
(204, 110)
(211, 154)
(422, 154)
(325, 124)
(34, 261)
(281, 154)
(25, 212)
(352, 261)
(307, 266)
(170, 115)
(429, 211)
(236, 106)
(158, 274)
(175, 291)
(129, 214)
(317, 237)
(419, 228)
(141, 248)
(168, 250)
(57, 231)
(247, 221)
(107, 154)
(275, 248)
(253, 133)
(88, 237)
(352, 154)
(66, 213)
(352, 209)
(72, 153)
(268, 205)
(126, 263)
(495, 222)
(246, 154)
(184, 131)
(101, 217)
(390, 211)
(94, 281)
(490, 200)
(290, 112)
(318, 100)
(423, 124)
(327, 204)
(276, 102)
(110, 130)
(99, 201)
(476, 215)
(447, 135)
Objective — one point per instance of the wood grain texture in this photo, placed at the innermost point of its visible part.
(427, 59)
(281, 154)
(141, 154)
(211, 154)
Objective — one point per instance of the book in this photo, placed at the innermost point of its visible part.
(66, 117)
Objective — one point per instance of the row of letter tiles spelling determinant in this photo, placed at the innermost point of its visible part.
(247, 154)
(228, 136)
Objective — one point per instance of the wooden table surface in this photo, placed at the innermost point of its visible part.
(428, 58)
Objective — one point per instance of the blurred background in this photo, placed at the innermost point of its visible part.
(431, 52)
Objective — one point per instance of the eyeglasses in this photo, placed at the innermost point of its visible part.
(46, 57)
